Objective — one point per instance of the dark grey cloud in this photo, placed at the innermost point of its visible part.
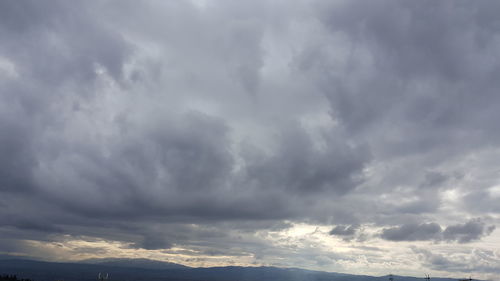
(147, 167)
(412, 232)
(344, 230)
(15, 175)
(472, 230)
(467, 232)
(69, 42)
(419, 69)
(434, 180)
(480, 201)
(298, 167)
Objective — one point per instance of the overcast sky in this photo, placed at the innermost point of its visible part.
(350, 136)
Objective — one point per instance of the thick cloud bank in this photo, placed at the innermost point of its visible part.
(225, 128)
(463, 233)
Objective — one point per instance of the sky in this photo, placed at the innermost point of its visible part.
(349, 136)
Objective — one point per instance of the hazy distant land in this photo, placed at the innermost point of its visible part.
(143, 269)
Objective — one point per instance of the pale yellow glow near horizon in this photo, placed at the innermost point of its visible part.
(77, 250)
(292, 247)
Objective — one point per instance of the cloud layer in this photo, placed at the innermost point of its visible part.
(472, 230)
(215, 128)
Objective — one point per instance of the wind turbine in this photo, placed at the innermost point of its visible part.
(102, 277)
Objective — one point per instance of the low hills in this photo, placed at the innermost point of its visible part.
(148, 270)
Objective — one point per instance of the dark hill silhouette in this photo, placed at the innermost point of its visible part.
(136, 263)
(51, 271)
(7, 277)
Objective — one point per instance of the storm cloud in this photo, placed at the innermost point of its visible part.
(472, 230)
(409, 232)
(222, 128)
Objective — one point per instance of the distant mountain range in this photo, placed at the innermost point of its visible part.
(150, 270)
(135, 263)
